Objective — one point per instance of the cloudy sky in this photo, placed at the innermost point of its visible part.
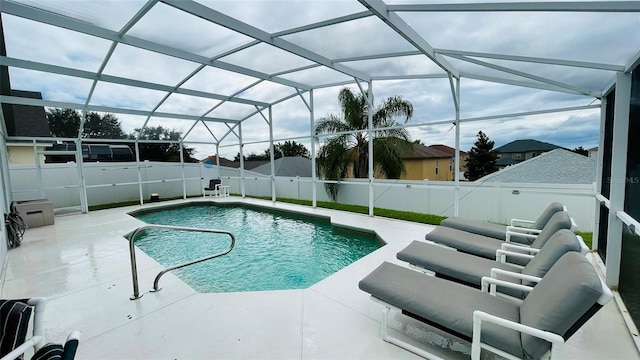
(608, 38)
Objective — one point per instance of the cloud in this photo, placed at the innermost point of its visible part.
(584, 36)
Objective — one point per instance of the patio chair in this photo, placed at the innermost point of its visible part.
(569, 295)
(501, 231)
(212, 187)
(15, 316)
(469, 270)
(486, 247)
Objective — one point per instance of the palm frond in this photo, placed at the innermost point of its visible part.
(387, 156)
(331, 123)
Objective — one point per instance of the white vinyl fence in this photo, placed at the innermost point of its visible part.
(118, 182)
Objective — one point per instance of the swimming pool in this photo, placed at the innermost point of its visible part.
(274, 251)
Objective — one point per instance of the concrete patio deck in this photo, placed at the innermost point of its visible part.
(82, 265)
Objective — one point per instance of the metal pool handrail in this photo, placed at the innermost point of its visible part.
(132, 252)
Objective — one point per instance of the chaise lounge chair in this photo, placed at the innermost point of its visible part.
(469, 270)
(569, 294)
(486, 247)
(15, 316)
(500, 231)
(213, 187)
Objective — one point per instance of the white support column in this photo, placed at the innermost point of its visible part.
(242, 192)
(456, 191)
(4, 162)
(82, 188)
(139, 172)
(370, 130)
(272, 156)
(184, 183)
(218, 160)
(313, 152)
(618, 177)
(39, 171)
(598, 189)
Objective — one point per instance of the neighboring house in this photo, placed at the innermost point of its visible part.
(290, 166)
(435, 162)
(558, 166)
(521, 150)
(593, 153)
(26, 120)
(213, 160)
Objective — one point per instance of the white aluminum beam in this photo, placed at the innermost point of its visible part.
(527, 75)
(329, 22)
(633, 63)
(50, 18)
(566, 6)
(379, 56)
(618, 177)
(138, 15)
(571, 63)
(528, 84)
(60, 70)
(108, 109)
(221, 19)
(394, 21)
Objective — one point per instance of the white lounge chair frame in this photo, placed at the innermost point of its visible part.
(557, 342)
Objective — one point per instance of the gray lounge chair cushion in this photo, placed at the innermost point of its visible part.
(560, 243)
(543, 219)
(444, 303)
(486, 247)
(498, 231)
(560, 300)
(466, 242)
(451, 264)
(558, 221)
(477, 227)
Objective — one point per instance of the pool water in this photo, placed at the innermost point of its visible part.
(273, 251)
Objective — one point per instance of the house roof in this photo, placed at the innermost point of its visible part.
(28, 120)
(447, 149)
(526, 145)
(506, 162)
(212, 158)
(287, 166)
(248, 164)
(558, 166)
(419, 151)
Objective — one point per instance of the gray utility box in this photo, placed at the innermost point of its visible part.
(36, 212)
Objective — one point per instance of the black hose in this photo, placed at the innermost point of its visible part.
(15, 228)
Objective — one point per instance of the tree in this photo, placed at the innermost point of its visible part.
(288, 148)
(66, 123)
(161, 151)
(349, 152)
(482, 158)
(580, 150)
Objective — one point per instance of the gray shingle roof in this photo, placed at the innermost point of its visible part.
(525, 146)
(28, 120)
(554, 167)
(419, 151)
(287, 166)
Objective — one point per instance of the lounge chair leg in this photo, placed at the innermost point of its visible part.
(395, 341)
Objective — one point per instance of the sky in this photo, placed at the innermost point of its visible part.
(610, 38)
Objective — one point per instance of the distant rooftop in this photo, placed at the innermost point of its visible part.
(419, 151)
(287, 166)
(558, 166)
(526, 145)
(27, 120)
(446, 149)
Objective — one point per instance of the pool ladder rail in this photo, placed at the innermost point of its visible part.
(132, 253)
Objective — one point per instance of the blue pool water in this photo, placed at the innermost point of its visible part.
(272, 252)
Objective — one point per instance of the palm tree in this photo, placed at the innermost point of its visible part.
(346, 152)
